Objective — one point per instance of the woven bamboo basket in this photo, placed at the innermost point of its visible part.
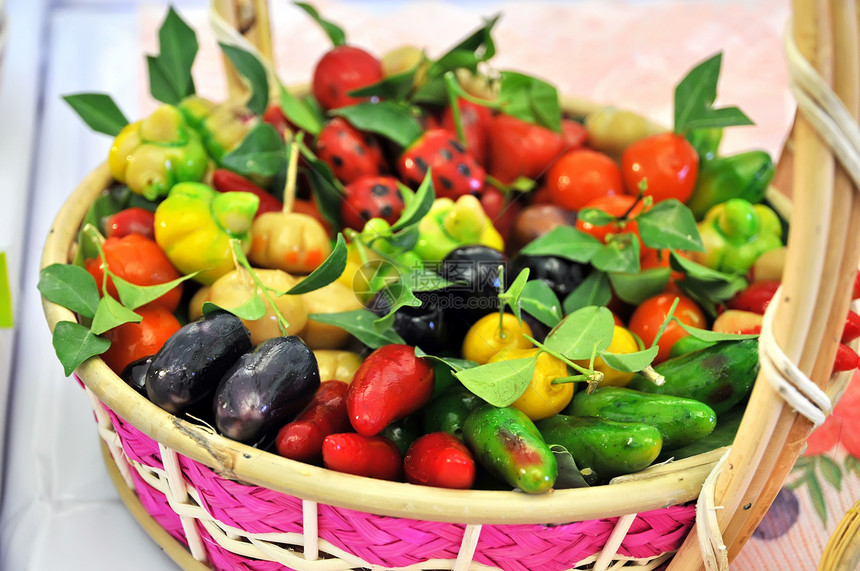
(211, 502)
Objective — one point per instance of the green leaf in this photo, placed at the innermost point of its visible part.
(396, 87)
(816, 495)
(596, 216)
(539, 301)
(565, 242)
(98, 111)
(299, 113)
(418, 205)
(110, 314)
(634, 288)
(453, 363)
(252, 309)
(714, 336)
(71, 287)
(334, 32)
(594, 290)
(74, 344)
(133, 296)
(831, 471)
(359, 323)
(170, 78)
(530, 99)
(327, 190)
(398, 295)
(253, 71)
(852, 464)
(582, 333)
(569, 475)
(422, 279)
(480, 42)
(669, 224)
(327, 272)
(630, 362)
(387, 118)
(499, 383)
(512, 296)
(261, 152)
(620, 254)
(694, 99)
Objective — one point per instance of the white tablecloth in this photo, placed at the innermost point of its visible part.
(59, 509)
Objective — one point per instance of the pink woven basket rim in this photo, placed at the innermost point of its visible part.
(394, 541)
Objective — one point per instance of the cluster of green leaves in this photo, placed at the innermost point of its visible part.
(808, 471)
(74, 288)
(667, 225)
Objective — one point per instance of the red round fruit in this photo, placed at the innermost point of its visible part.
(668, 164)
(341, 70)
(133, 341)
(371, 197)
(649, 316)
(581, 176)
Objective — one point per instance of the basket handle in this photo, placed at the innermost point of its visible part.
(244, 23)
(823, 256)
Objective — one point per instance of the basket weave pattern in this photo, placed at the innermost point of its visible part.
(252, 527)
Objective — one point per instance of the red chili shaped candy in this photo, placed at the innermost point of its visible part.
(302, 439)
(390, 384)
(439, 459)
(371, 456)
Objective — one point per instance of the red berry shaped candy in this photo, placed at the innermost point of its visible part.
(455, 171)
(371, 197)
(350, 153)
(341, 70)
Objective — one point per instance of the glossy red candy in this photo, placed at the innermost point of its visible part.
(371, 456)
(390, 384)
(302, 438)
(341, 70)
(454, 170)
(439, 459)
(371, 197)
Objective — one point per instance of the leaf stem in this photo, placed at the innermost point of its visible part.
(652, 375)
(669, 317)
(593, 376)
(289, 197)
(451, 87)
(236, 244)
(502, 333)
(451, 79)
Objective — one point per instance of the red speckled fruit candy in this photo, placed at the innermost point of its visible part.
(350, 153)
(371, 197)
(454, 170)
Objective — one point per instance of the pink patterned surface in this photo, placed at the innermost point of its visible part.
(390, 541)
